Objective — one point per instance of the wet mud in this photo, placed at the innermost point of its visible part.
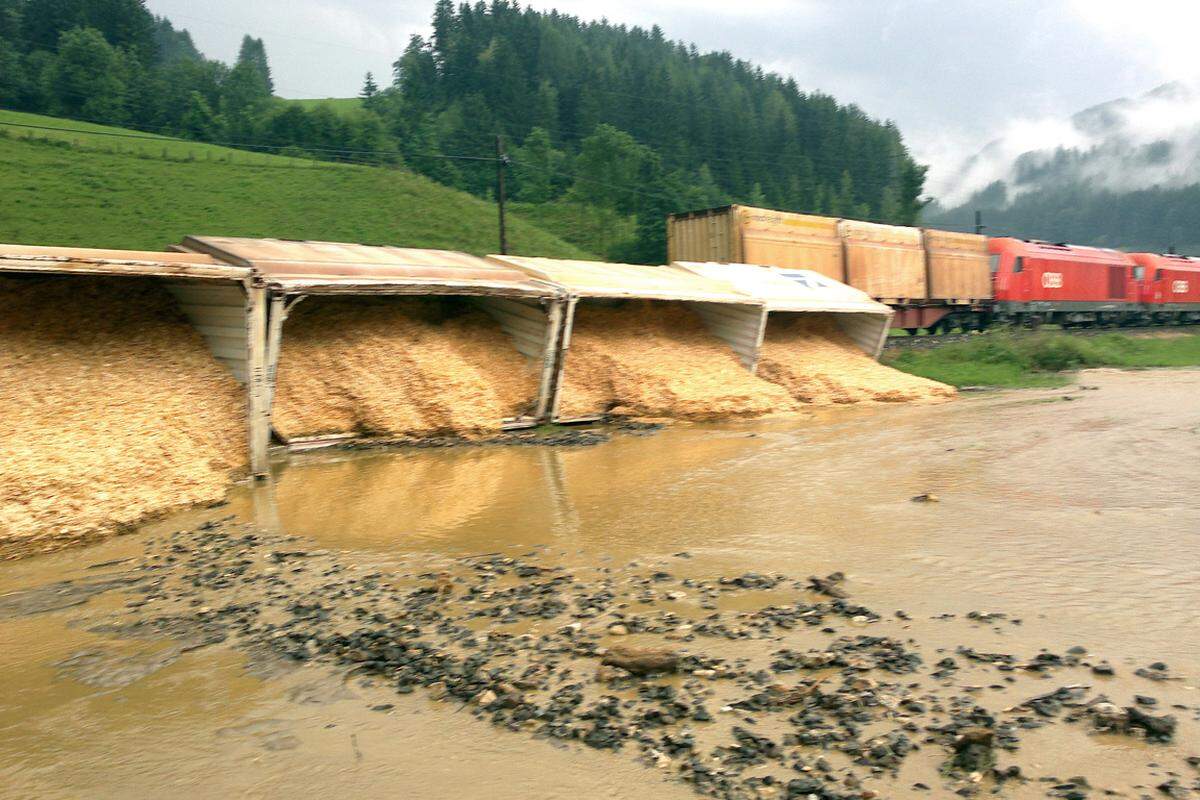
(731, 611)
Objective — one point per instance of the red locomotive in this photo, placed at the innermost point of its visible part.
(1035, 282)
(1169, 287)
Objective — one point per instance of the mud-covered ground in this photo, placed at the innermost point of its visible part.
(741, 686)
(705, 611)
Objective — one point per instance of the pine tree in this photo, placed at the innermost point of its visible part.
(253, 56)
(370, 88)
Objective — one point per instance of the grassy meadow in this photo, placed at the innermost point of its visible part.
(59, 187)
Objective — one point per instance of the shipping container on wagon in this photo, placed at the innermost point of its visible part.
(220, 300)
(728, 314)
(1169, 284)
(959, 268)
(885, 261)
(743, 234)
(529, 311)
(790, 291)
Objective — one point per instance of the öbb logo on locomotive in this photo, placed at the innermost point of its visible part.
(1052, 280)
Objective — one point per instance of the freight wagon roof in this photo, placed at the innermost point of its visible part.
(752, 216)
(1059, 252)
(331, 267)
(856, 232)
(955, 241)
(789, 289)
(86, 261)
(632, 281)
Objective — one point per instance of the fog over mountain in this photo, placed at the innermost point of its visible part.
(1123, 145)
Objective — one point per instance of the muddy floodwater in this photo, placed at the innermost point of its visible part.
(1063, 523)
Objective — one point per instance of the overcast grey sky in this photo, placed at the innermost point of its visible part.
(953, 74)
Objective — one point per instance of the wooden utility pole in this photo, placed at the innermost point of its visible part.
(978, 222)
(501, 163)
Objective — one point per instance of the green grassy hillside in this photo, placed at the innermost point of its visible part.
(88, 190)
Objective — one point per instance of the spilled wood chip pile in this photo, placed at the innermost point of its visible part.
(657, 359)
(809, 356)
(113, 410)
(404, 367)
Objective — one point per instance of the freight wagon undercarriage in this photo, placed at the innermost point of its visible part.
(938, 320)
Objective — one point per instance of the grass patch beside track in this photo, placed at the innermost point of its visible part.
(1047, 359)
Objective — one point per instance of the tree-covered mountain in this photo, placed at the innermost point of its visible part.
(112, 61)
(618, 122)
(626, 119)
(1123, 174)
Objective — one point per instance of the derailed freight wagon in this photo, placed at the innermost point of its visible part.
(656, 329)
(821, 339)
(131, 383)
(397, 342)
(794, 292)
(220, 300)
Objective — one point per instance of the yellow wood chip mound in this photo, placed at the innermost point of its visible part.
(411, 367)
(112, 410)
(816, 362)
(656, 359)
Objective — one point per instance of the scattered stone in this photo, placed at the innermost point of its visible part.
(974, 750)
(641, 661)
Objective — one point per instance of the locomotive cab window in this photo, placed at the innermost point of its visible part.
(1139, 273)
(995, 263)
(1019, 264)
(1158, 274)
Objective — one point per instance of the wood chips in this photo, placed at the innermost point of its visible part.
(656, 359)
(809, 356)
(405, 367)
(111, 410)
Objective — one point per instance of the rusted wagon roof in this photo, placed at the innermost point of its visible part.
(303, 267)
(85, 261)
(632, 281)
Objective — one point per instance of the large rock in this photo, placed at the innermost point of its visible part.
(641, 661)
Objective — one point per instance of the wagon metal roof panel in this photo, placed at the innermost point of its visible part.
(789, 289)
(319, 267)
(632, 281)
(86, 261)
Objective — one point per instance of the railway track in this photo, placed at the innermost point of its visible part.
(925, 341)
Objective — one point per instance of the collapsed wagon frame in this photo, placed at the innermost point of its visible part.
(732, 317)
(221, 301)
(530, 312)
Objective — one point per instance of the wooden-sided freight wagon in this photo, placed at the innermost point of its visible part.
(933, 279)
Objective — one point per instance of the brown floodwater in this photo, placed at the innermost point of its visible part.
(1078, 516)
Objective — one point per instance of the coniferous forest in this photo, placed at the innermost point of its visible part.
(617, 120)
